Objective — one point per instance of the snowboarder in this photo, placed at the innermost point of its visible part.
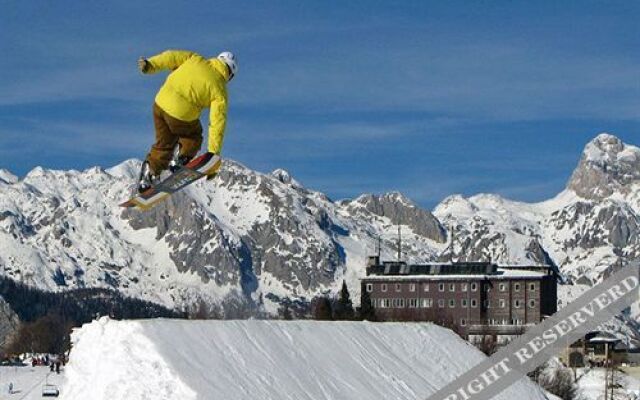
(195, 83)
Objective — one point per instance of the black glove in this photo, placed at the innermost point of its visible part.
(144, 65)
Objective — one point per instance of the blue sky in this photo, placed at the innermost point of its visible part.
(428, 97)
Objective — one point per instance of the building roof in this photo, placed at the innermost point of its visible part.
(399, 270)
(500, 274)
(602, 337)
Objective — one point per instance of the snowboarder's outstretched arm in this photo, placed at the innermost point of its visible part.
(217, 123)
(170, 59)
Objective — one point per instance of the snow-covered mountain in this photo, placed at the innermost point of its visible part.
(586, 230)
(246, 238)
(250, 238)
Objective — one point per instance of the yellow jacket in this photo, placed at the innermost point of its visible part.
(195, 83)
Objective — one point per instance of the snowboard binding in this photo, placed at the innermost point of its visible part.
(178, 161)
(147, 178)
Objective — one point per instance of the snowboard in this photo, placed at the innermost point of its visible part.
(199, 167)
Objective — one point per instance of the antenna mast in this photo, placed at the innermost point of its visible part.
(451, 243)
(399, 244)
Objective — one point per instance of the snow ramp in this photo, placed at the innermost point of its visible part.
(178, 359)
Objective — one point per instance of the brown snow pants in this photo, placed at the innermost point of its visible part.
(169, 132)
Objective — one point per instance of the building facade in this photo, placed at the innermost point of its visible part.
(471, 298)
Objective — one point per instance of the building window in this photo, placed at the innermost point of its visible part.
(463, 303)
(398, 287)
(441, 303)
(441, 287)
(516, 287)
(502, 303)
(503, 287)
(369, 287)
(412, 287)
(474, 287)
(387, 303)
(474, 303)
(452, 303)
(463, 287)
(452, 287)
(463, 322)
(413, 303)
(425, 287)
(401, 303)
(383, 287)
(426, 303)
(532, 303)
(532, 286)
(516, 303)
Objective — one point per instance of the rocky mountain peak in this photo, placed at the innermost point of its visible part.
(607, 166)
(7, 177)
(402, 211)
(284, 177)
(127, 169)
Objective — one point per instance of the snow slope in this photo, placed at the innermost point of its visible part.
(27, 381)
(177, 359)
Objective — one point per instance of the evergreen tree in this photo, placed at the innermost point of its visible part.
(366, 310)
(321, 307)
(344, 307)
(286, 312)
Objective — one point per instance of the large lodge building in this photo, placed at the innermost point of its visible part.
(474, 298)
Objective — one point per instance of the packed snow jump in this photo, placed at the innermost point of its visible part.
(194, 84)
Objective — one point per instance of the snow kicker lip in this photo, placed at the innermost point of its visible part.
(204, 165)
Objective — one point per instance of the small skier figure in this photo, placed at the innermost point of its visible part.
(193, 84)
(10, 387)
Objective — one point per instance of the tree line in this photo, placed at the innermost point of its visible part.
(48, 317)
(340, 307)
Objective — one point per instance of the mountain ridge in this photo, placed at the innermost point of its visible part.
(254, 239)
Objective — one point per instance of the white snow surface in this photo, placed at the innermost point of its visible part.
(591, 384)
(178, 359)
(27, 381)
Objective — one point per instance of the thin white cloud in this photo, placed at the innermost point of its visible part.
(76, 137)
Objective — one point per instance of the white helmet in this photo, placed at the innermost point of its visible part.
(228, 58)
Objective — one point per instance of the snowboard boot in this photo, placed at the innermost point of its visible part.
(178, 161)
(147, 178)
